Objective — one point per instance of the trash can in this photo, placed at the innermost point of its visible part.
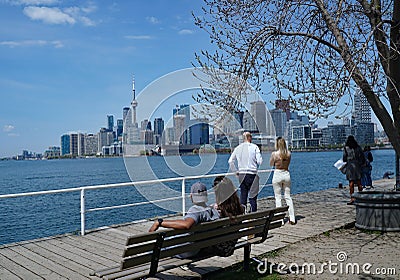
(378, 210)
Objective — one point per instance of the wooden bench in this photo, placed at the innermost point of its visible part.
(149, 253)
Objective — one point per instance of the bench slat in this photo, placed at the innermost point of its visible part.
(139, 252)
(193, 237)
(209, 240)
(145, 237)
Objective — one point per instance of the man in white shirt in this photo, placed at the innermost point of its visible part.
(248, 159)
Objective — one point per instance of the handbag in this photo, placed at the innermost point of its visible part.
(341, 165)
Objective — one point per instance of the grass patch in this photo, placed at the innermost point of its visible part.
(327, 233)
(270, 254)
(236, 272)
(368, 231)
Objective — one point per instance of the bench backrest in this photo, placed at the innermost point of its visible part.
(151, 247)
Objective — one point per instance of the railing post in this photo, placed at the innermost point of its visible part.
(183, 197)
(83, 211)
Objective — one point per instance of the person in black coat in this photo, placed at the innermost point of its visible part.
(354, 157)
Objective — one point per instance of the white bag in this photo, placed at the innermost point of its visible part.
(341, 165)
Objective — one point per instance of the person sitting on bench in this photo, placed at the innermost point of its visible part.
(197, 213)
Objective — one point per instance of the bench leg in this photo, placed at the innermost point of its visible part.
(246, 261)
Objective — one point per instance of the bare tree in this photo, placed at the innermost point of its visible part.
(314, 53)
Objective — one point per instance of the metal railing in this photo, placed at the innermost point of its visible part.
(83, 190)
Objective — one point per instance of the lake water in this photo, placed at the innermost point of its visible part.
(46, 215)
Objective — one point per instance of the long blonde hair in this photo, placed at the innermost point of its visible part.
(280, 145)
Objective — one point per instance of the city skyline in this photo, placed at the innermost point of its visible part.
(67, 64)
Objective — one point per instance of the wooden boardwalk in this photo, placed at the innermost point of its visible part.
(75, 257)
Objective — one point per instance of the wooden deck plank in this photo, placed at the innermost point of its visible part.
(59, 258)
(93, 247)
(26, 263)
(6, 274)
(101, 240)
(112, 235)
(79, 255)
(48, 263)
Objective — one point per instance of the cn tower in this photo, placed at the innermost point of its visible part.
(134, 103)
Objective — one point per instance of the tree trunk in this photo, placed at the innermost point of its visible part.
(394, 80)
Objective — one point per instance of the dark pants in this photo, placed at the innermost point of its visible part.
(246, 182)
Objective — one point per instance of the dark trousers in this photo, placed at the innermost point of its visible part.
(246, 182)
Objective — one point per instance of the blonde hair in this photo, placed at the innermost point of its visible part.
(280, 145)
(247, 136)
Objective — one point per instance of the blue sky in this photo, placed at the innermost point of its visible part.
(65, 65)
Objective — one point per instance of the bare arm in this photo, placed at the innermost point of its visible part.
(175, 224)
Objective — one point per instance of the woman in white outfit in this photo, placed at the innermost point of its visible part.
(280, 159)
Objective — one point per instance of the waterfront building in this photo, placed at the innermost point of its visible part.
(182, 110)
(81, 144)
(279, 119)
(91, 143)
(73, 144)
(105, 138)
(65, 145)
(249, 124)
(302, 137)
(284, 105)
(199, 132)
(115, 149)
(120, 128)
(363, 129)
(110, 122)
(131, 131)
(125, 111)
(180, 129)
(52, 152)
(145, 125)
(259, 112)
(335, 134)
(362, 109)
(169, 133)
(158, 131)
(364, 133)
(146, 136)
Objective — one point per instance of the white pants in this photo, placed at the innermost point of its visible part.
(281, 181)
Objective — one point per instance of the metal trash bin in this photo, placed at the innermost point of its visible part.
(378, 210)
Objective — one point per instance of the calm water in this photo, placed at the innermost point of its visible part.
(39, 216)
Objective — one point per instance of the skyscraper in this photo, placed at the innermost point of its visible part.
(110, 122)
(284, 105)
(363, 128)
(134, 104)
(65, 148)
(125, 111)
(259, 112)
(362, 109)
(158, 130)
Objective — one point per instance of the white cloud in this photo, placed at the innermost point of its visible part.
(31, 43)
(8, 128)
(138, 37)
(153, 20)
(185, 32)
(31, 2)
(48, 15)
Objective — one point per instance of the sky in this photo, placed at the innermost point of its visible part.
(66, 65)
